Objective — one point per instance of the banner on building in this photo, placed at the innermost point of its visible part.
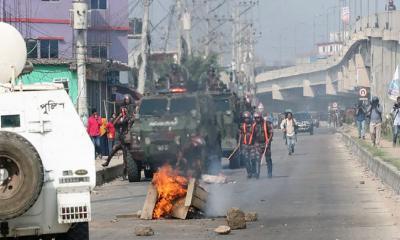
(346, 15)
(394, 86)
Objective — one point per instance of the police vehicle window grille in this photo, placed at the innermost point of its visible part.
(153, 107)
(182, 105)
(10, 121)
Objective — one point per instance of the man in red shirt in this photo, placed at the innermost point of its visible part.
(93, 129)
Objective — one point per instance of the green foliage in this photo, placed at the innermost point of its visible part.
(198, 65)
(195, 65)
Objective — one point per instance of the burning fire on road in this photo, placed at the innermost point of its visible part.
(170, 187)
(173, 195)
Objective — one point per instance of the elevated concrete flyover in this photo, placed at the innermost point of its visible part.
(367, 59)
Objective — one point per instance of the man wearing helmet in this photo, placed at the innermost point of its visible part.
(247, 151)
(189, 157)
(263, 136)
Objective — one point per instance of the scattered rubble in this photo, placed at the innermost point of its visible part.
(144, 231)
(223, 230)
(251, 217)
(236, 219)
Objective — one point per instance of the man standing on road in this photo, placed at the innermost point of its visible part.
(375, 114)
(360, 118)
(93, 129)
(288, 126)
(246, 142)
(263, 138)
(396, 122)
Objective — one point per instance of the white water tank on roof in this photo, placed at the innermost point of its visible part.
(12, 53)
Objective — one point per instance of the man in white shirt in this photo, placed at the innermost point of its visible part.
(396, 122)
(288, 126)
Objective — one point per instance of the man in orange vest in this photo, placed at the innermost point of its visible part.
(247, 150)
(263, 132)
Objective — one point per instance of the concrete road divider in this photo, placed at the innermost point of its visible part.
(388, 173)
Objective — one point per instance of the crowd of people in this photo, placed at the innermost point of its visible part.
(254, 143)
(370, 114)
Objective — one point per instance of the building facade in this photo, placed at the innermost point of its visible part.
(46, 26)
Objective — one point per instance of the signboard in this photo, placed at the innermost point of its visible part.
(346, 15)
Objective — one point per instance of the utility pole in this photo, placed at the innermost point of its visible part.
(208, 38)
(144, 47)
(179, 37)
(234, 44)
(187, 26)
(80, 24)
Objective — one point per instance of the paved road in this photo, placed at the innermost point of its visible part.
(315, 194)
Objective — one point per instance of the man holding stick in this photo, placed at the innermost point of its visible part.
(263, 133)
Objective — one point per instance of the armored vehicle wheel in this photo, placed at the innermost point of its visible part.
(78, 231)
(134, 172)
(21, 175)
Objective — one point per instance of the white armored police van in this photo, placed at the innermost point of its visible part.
(47, 167)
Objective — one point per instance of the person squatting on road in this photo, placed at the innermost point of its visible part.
(288, 126)
(396, 121)
(189, 157)
(263, 137)
(248, 151)
(360, 119)
(375, 114)
(121, 123)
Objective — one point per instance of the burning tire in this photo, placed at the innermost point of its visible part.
(21, 175)
(134, 172)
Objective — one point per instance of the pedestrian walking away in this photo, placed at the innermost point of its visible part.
(288, 126)
(375, 115)
(93, 129)
(263, 137)
(396, 121)
(360, 119)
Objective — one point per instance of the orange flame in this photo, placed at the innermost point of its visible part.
(170, 187)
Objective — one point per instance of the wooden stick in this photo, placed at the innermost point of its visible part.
(237, 147)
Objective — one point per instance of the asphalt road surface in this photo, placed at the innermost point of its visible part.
(318, 193)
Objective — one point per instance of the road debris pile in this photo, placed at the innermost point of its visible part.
(173, 196)
(236, 219)
(144, 231)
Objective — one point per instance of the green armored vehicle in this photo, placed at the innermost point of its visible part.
(166, 124)
(226, 104)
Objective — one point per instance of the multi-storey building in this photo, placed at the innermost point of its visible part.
(46, 26)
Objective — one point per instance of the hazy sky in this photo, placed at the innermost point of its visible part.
(287, 25)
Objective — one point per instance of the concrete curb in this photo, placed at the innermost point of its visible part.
(108, 174)
(385, 171)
